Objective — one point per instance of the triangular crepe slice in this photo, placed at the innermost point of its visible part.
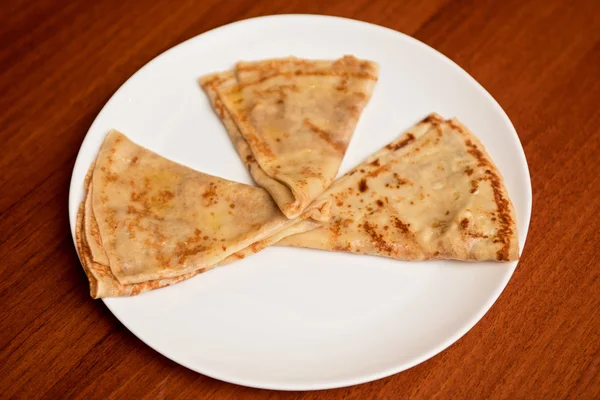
(434, 193)
(320, 211)
(296, 118)
(102, 281)
(148, 222)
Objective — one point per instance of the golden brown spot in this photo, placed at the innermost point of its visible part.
(343, 85)
(441, 224)
(336, 228)
(196, 237)
(477, 154)
(378, 171)
(134, 160)
(469, 171)
(395, 146)
(279, 90)
(344, 247)
(401, 181)
(474, 186)
(164, 196)
(360, 95)
(326, 136)
(377, 239)
(464, 223)
(131, 227)
(375, 162)
(183, 252)
(432, 119)
(309, 173)
(111, 177)
(402, 227)
(256, 247)
(476, 235)
(163, 261)
(362, 185)
(137, 196)
(380, 203)
(211, 193)
(232, 205)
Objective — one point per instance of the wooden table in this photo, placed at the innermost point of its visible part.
(61, 60)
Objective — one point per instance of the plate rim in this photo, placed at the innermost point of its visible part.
(363, 378)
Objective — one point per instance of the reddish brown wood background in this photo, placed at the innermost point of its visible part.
(61, 60)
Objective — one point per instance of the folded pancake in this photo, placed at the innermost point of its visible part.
(434, 193)
(102, 281)
(291, 121)
(147, 222)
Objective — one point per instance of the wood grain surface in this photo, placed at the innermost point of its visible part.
(61, 60)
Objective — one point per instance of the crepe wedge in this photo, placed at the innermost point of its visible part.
(434, 193)
(291, 121)
(147, 222)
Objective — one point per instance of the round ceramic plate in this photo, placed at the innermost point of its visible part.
(291, 318)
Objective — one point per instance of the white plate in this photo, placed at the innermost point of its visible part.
(294, 318)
